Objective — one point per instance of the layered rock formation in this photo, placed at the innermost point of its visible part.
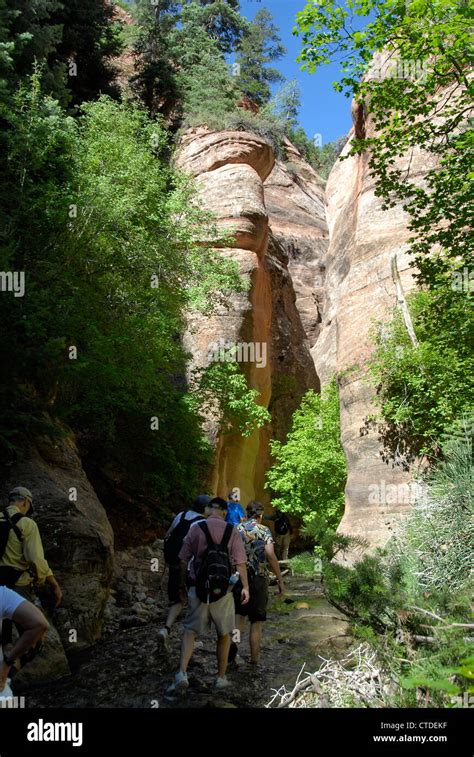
(318, 260)
(358, 292)
(231, 169)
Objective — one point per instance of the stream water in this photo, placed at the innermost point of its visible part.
(127, 671)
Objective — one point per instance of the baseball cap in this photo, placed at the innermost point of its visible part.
(21, 492)
(201, 502)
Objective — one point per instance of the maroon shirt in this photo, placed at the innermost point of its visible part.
(195, 544)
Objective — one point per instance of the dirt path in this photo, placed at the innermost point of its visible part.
(126, 671)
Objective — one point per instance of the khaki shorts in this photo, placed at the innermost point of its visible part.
(222, 614)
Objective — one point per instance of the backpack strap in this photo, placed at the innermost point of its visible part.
(13, 523)
(227, 534)
(203, 526)
(196, 519)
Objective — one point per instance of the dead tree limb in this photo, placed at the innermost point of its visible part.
(402, 301)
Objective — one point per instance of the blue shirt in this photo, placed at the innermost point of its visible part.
(235, 512)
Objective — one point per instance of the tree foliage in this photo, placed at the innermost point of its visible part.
(107, 235)
(72, 41)
(260, 46)
(421, 99)
(223, 391)
(309, 472)
(424, 389)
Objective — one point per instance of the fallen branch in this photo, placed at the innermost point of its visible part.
(353, 681)
(320, 615)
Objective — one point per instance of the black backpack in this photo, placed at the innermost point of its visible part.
(174, 542)
(213, 578)
(282, 526)
(8, 574)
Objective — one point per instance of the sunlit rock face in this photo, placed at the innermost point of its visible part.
(358, 292)
(318, 260)
(230, 169)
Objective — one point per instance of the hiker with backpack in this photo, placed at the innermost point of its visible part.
(173, 543)
(22, 562)
(216, 550)
(23, 567)
(15, 608)
(283, 533)
(260, 554)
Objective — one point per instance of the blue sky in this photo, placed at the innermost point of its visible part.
(323, 111)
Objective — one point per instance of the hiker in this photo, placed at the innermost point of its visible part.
(22, 563)
(235, 511)
(260, 552)
(283, 532)
(173, 543)
(15, 608)
(217, 550)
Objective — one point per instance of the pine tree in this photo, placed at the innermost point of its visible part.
(221, 20)
(28, 33)
(155, 80)
(72, 42)
(261, 44)
(90, 39)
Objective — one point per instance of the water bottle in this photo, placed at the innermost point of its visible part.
(233, 579)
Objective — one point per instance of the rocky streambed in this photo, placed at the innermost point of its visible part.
(125, 669)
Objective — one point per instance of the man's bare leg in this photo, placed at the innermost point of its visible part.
(223, 646)
(187, 648)
(255, 641)
(173, 614)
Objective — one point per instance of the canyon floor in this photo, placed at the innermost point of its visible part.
(125, 670)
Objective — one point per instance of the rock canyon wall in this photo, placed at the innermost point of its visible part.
(278, 222)
(318, 260)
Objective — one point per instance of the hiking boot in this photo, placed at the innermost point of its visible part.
(163, 640)
(222, 683)
(179, 685)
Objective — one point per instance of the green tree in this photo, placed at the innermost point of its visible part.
(309, 472)
(72, 42)
(420, 100)
(424, 389)
(220, 19)
(90, 40)
(107, 235)
(154, 82)
(260, 45)
(28, 33)
(201, 69)
(222, 389)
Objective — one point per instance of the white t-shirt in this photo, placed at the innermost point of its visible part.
(190, 515)
(9, 601)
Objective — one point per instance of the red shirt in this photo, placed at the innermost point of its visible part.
(195, 544)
